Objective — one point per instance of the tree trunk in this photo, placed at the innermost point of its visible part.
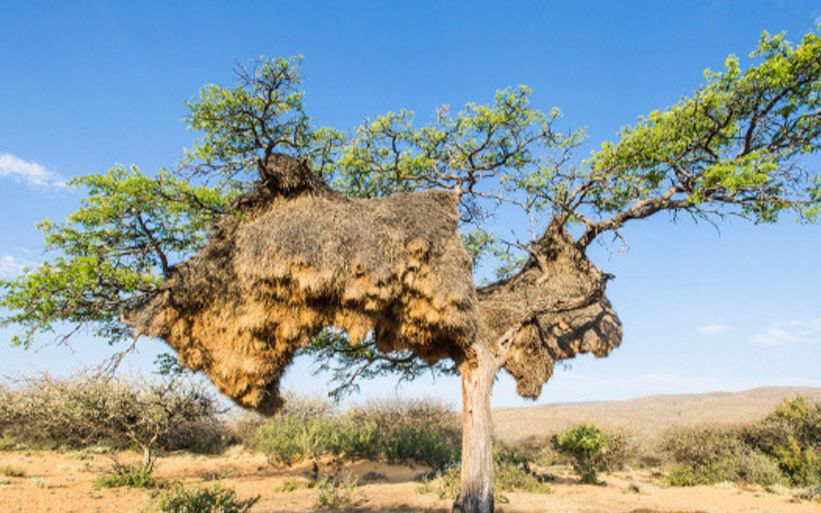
(476, 495)
(148, 459)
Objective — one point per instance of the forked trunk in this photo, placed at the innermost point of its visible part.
(477, 491)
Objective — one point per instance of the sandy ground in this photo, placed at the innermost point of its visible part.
(64, 482)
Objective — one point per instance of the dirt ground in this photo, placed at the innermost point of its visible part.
(64, 482)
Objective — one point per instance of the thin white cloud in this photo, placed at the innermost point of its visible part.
(715, 328)
(788, 333)
(10, 266)
(32, 173)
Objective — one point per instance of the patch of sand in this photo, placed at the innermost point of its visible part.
(64, 483)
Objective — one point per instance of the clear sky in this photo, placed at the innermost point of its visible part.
(84, 85)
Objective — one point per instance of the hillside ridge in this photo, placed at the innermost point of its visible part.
(647, 416)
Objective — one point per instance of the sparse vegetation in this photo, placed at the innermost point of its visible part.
(783, 447)
(216, 499)
(290, 485)
(336, 492)
(513, 471)
(117, 413)
(421, 432)
(9, 471)
(132, 476)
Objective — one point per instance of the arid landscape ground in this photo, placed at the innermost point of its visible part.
(48, 481)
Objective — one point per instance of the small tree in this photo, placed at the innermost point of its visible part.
(584, 444)
(294, 210)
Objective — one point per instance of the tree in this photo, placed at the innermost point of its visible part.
(584, 444)
(353, 239)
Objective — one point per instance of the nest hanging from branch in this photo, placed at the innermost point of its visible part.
(299, 258)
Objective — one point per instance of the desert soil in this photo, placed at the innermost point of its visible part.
(64, 482)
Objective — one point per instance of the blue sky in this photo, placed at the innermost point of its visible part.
(86, 85)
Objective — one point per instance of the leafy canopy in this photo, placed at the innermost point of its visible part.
(112, 253)
(734, 147)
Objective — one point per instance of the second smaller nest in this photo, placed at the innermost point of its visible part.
(270, 280)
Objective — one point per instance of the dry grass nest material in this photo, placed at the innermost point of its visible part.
(299, 258)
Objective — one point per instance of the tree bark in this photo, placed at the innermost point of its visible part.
(477, 482)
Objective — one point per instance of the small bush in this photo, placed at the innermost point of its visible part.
(288, 439)
(618, 450)
(683, 476)
(791, 434)
(244, 429)
(709, 455)
(512, 472)
(811, 493)
(445, 484)
(398, 432)
(585, 445)
(703, 446)
(204, 500)
(290, 485)
(336, 493)
(132, 476)
(10, 471)
(757, 468)
(801, 465)
(421, 431)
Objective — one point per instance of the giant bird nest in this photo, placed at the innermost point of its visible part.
(299, 258)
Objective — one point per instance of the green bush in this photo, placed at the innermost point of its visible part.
(585, 445)
(791, 434)
(683, 476)
(413, 432)
(132, 476)
(204, 500)
(288, 439)
(420, 431)
(801, 465)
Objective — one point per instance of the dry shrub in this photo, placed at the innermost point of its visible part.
(513, 472)
(785, 445)
(713, 454)
(425, 432)
(118, 413)
(412, 431)
(696, 447)
(182, 499)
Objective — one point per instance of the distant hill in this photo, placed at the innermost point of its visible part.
(649, 416)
